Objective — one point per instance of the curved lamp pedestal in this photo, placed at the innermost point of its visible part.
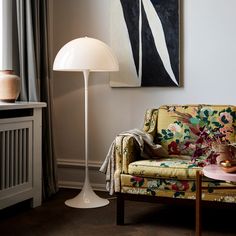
(87, 198)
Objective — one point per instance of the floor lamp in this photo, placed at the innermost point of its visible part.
(86, 55)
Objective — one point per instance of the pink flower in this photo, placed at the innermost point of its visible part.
(227, 131)
(225, 118)
(174, 128)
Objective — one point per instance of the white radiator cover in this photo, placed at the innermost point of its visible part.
(20, 153)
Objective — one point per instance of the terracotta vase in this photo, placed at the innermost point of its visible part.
(9, 86)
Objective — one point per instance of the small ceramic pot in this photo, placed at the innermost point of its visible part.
(9, 86)
(223, 151)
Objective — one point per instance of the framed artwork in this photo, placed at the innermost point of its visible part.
(145, 38)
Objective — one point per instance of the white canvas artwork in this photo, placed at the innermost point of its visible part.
(145, 38)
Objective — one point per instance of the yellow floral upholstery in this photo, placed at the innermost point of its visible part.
(179, 128)
(164, 168)
(186, 132)
(173, 188)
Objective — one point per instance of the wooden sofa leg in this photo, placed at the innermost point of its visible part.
(120, 205)
(198, 203)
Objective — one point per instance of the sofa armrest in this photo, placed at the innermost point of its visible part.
(126, 151)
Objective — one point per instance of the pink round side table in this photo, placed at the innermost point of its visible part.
(215, 172)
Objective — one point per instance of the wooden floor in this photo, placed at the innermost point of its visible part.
(55, 219)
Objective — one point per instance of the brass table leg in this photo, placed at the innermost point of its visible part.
(198, 203)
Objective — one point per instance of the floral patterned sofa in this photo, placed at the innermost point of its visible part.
(187, 133)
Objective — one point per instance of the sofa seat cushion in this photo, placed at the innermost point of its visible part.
(178, 168)
(174, 188)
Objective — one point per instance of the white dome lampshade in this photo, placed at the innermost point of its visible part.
(85, 54)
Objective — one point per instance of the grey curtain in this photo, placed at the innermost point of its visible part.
(34, 70)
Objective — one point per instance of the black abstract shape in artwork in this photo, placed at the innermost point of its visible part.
(153, 70)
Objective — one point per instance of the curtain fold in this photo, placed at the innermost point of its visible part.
(34, 70)
(27, 43)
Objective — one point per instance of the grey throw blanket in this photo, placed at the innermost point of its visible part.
(148, 150)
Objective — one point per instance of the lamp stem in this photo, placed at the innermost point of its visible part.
(87, 198)
(86, 77)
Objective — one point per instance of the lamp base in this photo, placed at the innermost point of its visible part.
(87, 198)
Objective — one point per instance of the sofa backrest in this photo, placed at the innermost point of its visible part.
(191, 129)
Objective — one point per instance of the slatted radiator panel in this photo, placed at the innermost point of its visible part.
(20, 153)
(15, 155)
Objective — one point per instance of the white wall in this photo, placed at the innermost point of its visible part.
(208, 51)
